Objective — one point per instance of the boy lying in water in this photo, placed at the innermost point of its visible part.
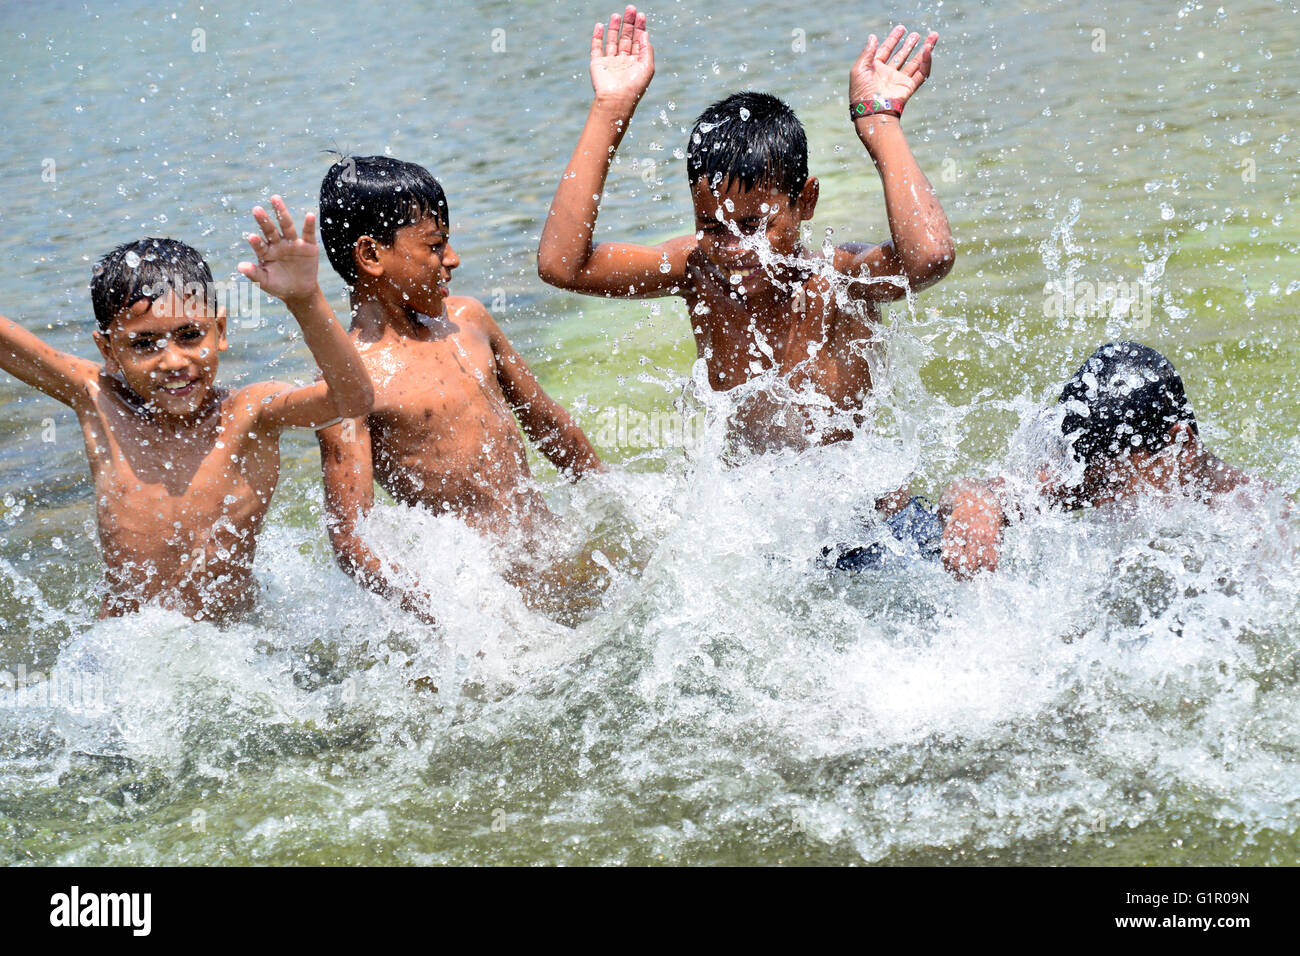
(183, 469)
(1130, 425)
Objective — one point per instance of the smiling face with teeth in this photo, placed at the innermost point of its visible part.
(166, 352)
(728, 219)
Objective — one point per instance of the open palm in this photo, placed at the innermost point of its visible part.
(883, 70)
(622, 60)
(286, 263)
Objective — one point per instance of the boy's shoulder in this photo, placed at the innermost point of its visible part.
(473, 316)
(468, 308)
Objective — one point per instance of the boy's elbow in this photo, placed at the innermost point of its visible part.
(557, 269)
(552, 272)
(934, 263)
(357, 402)
(366, 400)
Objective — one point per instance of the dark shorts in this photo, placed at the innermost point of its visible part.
(916, 532)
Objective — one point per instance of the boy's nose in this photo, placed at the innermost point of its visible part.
(450, 260)
(172, 359)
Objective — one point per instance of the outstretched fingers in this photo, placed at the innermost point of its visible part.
(269, 230)
(641, 40)
(920, 64)
(252, 272)
(891, 41)
(627, 31)
(611, 34)
(309, 228)
(287, 228)
(597, 40)
(869, 52)
(900, 57)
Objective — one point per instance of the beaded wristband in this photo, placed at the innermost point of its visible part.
(878, 104)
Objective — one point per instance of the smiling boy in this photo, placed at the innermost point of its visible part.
(449, 386)
(183, 469)
(747, 162)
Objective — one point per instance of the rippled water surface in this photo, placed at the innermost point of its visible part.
(1126, 690)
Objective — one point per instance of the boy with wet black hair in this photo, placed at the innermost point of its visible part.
(1128, 423)
(451, 392)
(759, 301)
(183, 469)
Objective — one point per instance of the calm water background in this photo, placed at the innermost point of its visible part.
(718, 706)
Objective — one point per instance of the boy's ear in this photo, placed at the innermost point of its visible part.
(105, 349)
(807, 203)
(366, 254)
(222, 344)
(1182, 436)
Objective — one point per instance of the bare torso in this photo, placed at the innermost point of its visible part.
(817, 348)
(442, 433)
(179, 507)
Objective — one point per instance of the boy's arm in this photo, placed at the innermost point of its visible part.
(974, 515)
(57, 374)
(920, 247)
(349, 496)
(286, 268)
(621, 68)
(545, 421)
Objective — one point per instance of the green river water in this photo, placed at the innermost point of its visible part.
(1123, 692)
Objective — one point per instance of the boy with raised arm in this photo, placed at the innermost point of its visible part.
(1127, 421)
(449, 386)
(759, 301)
(184, 469)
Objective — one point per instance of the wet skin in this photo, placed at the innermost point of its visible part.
(751, 317)
(450, 396)
(442, 433)
(975, 511)
(183, 478)
(183, 470)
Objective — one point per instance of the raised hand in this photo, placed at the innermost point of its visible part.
(882, 69)
(286, 263)
(622, 60)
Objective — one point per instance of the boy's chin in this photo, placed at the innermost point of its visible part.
(432, 306)
(741, 279)
(180, 404)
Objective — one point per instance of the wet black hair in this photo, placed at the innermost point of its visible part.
(147, 269)
(751, 139)
(374, 196)
(1126, 395)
